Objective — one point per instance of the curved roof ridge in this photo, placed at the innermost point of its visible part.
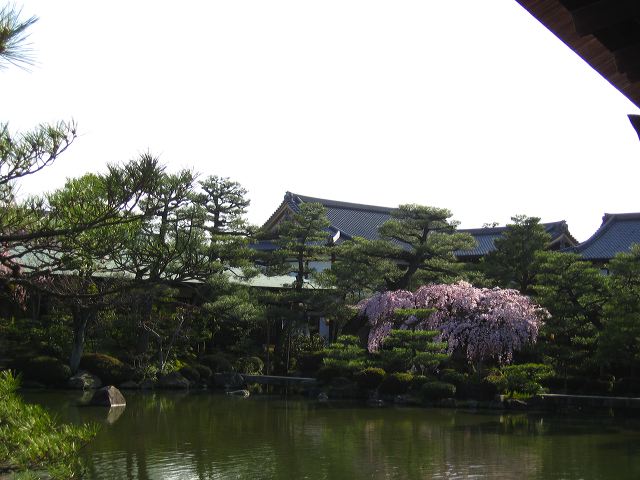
(607, 220)
(339, 204)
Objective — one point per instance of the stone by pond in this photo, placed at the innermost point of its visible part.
(181, 435)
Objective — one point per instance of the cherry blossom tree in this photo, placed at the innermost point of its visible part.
(483, 323)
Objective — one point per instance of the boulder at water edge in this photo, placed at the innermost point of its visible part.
(173, 380)
(108, 397)
(84, 381)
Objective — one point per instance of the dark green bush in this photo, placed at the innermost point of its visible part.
(598, 386)
(217, 363)
(44, 369)
(190, 373)
(204, 371)
(476, 388)
(451, 376)
(418, 381)
(109, 369)
(326, 373)
(370, 378)
(431, 391)
(525, 378)
(627, 387)
(396, 384)
(250, 365)
(310, 362)
(395, 360)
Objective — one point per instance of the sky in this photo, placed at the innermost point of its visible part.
(472, 106)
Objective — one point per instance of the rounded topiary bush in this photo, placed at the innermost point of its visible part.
(250, 365)
(44, 369)
(190, 373)
(437, 391)
(370, 378)
(109, 369)
(204, 371)
(218, 363)
(396, 384)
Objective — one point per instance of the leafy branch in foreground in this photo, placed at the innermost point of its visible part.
(31, 440)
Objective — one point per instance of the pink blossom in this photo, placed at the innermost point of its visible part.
(484, 323)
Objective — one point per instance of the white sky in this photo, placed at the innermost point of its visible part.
(468, 105)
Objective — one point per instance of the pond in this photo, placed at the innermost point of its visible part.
(211, 436)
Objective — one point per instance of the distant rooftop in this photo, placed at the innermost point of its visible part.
(616, 234)
(359, 220)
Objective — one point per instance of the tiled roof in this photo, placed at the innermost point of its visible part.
(357, 220)
(485, 237)
(616, 234)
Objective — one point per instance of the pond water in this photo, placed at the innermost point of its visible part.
(210, 436)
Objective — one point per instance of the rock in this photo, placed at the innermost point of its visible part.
(323, 397)
(108, 397)
(129, 385)
(401, 399)
(375, 402)
(229, 381)
(239, 393)
(114, 414)
(84, 381)
(173, 380)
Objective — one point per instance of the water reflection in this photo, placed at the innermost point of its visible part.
(204, 436)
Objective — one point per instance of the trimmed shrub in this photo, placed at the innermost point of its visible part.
(476, 388)
(217, 363)
(451, 376)
(204, 371)
(310, 362)
(431, 391)
(250, 365)
(327, 373)
(109, 369)
(396, 384)
(190, 373)
(523, 378)
(44, 369)
(418, 381)
(370, 378)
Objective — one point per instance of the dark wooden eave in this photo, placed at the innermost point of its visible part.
(605, 33)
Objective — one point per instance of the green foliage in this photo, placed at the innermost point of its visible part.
(451, 376)
(619, 341)
(30, 440)
(250, 365)
(512, 263)
(44, 369)
(575, 294)
(417, 246)
(431, 391)
(396, 384)
(218, 363)
(525, 378)
(109, 369)
(370, 378)
(412, 350)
